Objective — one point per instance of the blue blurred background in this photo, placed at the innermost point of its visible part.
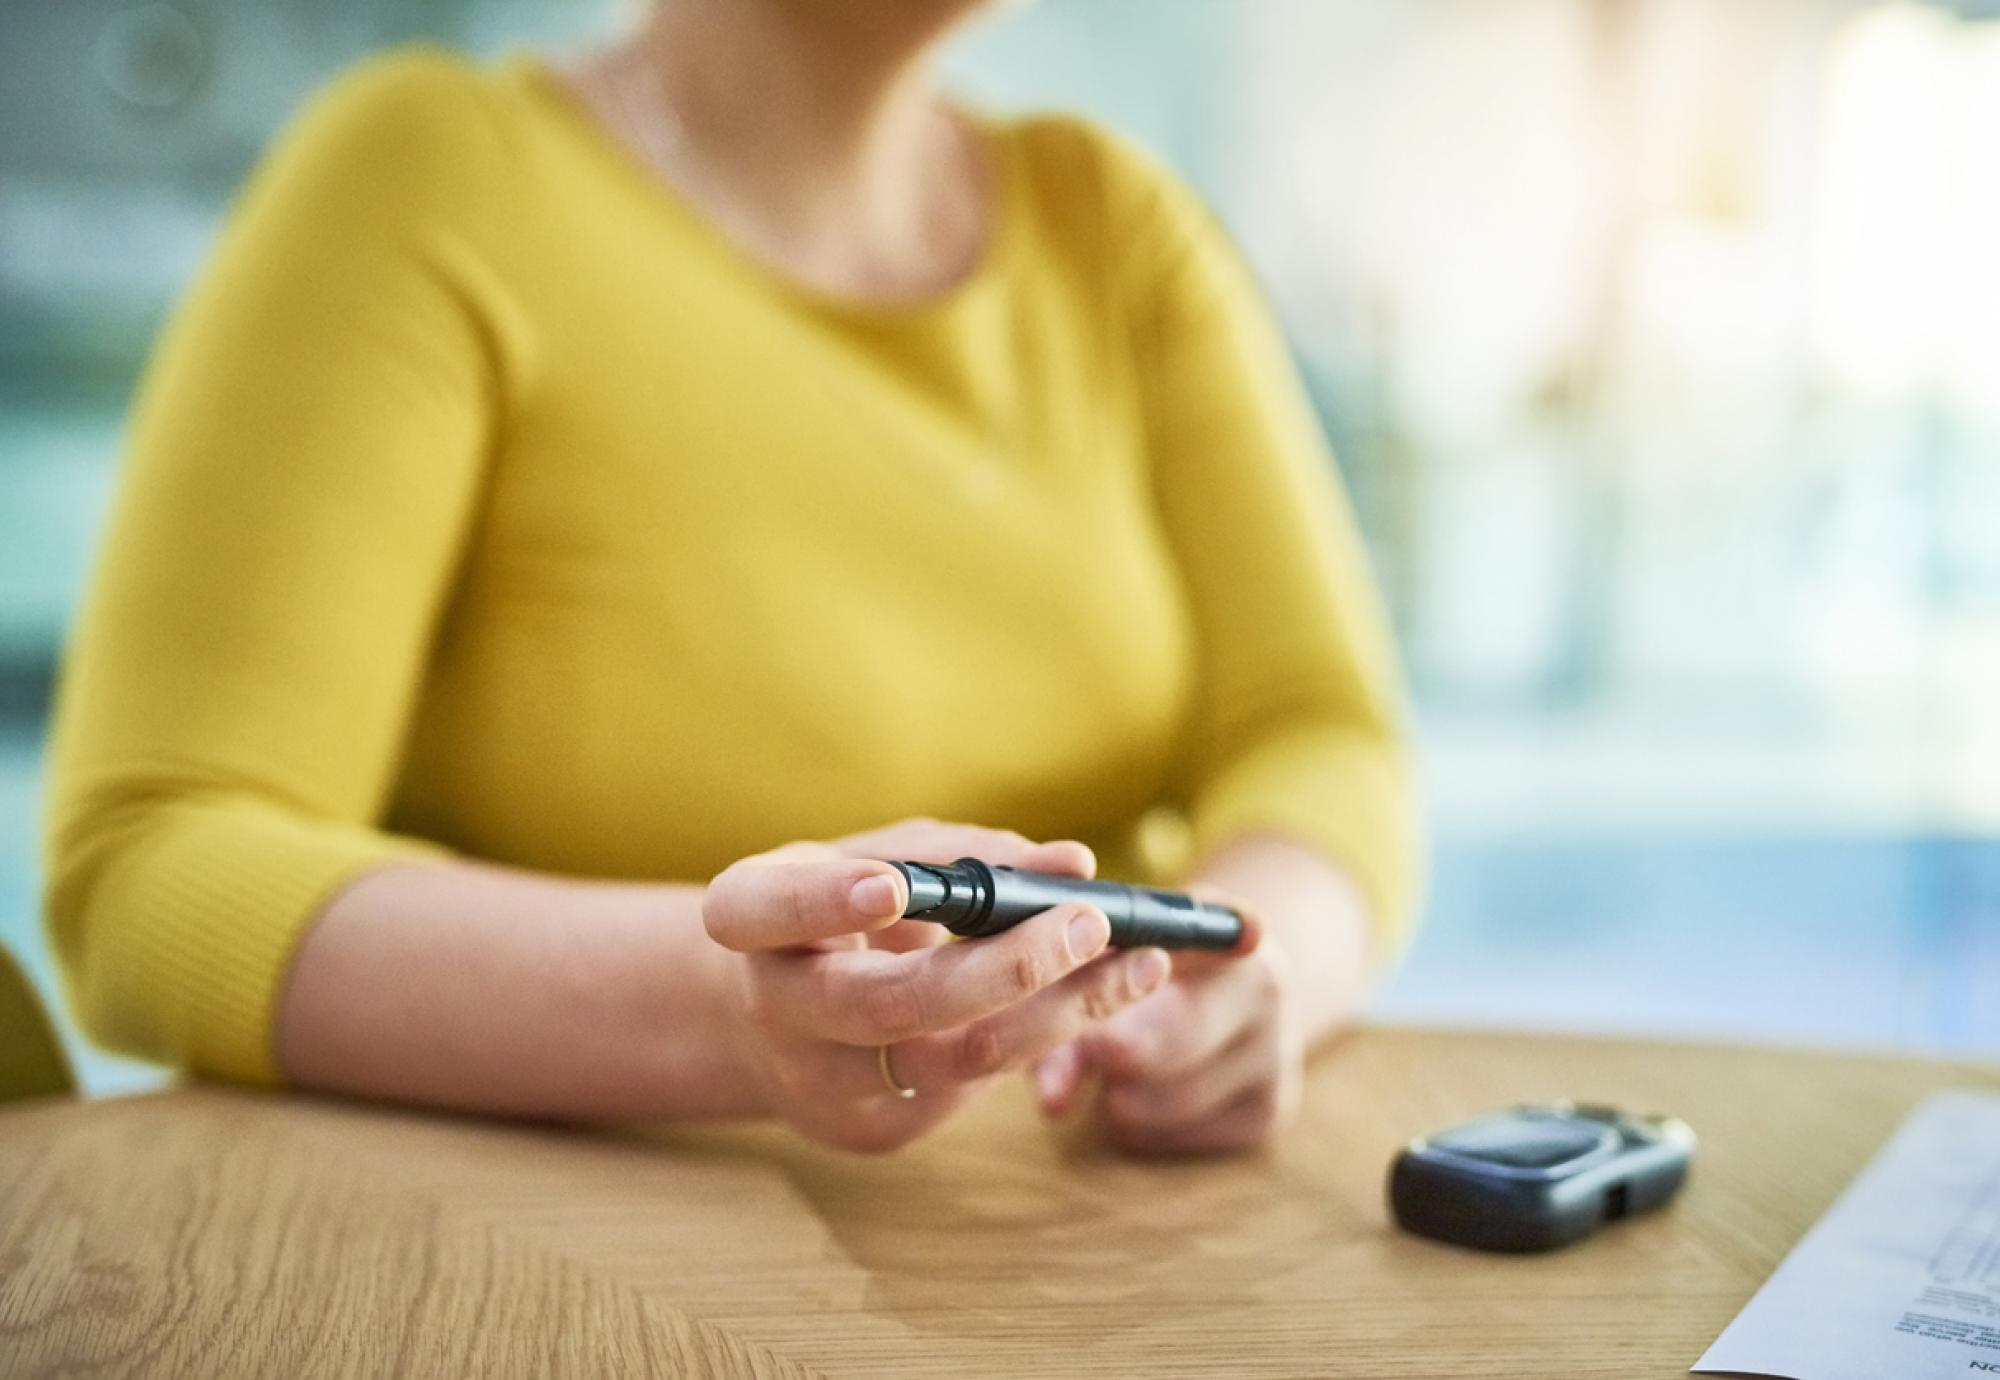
(1660, 343)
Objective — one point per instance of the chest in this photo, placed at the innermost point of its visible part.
(732, 546)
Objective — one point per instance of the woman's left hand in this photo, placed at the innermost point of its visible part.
(1214, 1061)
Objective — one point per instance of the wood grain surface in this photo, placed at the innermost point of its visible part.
(207, 1232)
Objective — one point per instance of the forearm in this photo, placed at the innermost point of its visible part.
(1316, 913)
(489, 989)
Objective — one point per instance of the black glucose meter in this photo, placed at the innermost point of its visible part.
(1536, 1177)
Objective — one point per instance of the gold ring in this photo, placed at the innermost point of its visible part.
(889, 1075)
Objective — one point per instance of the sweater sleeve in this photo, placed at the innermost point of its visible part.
(1298, 721)
(302, 467)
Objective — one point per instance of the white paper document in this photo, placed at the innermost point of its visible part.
(1901, 1279)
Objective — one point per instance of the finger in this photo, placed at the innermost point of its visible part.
(873, 997)
(1024, 1032)
(946, 1064)
(931, 841)
(1254, 927)
(1179, 1029)
(759, 904)
(1058, 1075)
(1066, 857)
(1198, 1093)
(867, 1117)
(1246, 1122)
(907, 935)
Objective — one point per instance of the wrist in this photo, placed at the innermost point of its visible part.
(1314, 916)
(739, 1066)
(666, 991)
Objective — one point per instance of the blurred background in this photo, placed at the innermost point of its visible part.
(1659, 341)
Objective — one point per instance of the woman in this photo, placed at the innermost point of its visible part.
(566, 488)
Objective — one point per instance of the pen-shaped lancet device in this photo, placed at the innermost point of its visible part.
(971, 899)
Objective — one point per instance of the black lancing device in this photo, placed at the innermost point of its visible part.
(975, 900)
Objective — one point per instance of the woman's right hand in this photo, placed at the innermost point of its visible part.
(822, 973)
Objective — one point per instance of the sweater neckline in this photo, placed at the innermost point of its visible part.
(988, 268)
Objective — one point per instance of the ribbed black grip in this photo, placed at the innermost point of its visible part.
(1173, 921)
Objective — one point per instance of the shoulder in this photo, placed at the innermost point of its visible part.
(1160, 236)
(417, 121)
(417, 91)
(1083, 156)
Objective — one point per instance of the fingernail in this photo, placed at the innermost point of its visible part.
(1089, 932)
(1090, 867)
(876, 895)
(1150, 968)
(1048, 1082)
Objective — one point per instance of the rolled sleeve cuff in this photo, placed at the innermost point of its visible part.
(195, 931)
(1346, 795)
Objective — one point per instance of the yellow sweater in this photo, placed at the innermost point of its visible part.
(484, 499)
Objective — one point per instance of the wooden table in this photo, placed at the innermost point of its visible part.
(206, 1232)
